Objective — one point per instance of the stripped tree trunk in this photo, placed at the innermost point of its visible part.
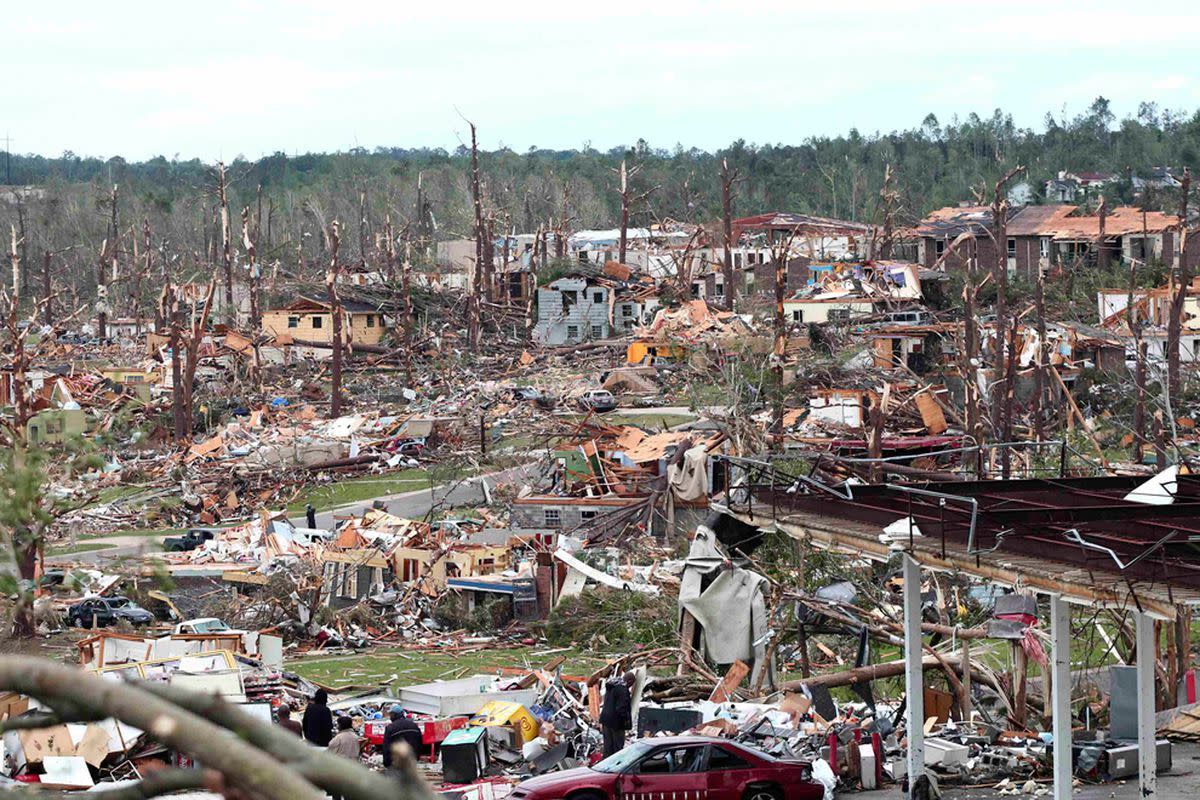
(47, 291)
(623, 241)
(477, 201)
(253, 270)
(226, 246)
(335, 310)
(728, 177)
(1183, 280)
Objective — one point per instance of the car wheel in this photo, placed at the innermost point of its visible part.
(761, 793)
(586, 795)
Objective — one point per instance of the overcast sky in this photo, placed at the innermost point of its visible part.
(217, 79)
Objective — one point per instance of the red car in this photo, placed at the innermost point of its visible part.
(679, 768)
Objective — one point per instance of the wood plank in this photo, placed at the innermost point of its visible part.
(724, 690)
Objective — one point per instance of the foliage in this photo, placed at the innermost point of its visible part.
(934, 164)
(610, 620)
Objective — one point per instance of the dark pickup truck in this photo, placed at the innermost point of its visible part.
(189, 541)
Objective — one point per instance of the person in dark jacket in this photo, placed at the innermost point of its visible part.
(616, 716)
(318, 720)
(401, 728)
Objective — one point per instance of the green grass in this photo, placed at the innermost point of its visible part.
(379, 667)
(148, 532)
(78, 548)
(357, 490)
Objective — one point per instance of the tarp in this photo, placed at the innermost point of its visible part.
(731, 610)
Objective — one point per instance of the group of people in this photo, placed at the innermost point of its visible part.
(317, 728)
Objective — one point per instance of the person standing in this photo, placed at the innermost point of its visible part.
(346, 743)
(616, 715)
(310, 515)
(287, 723)
(318, 720)
(401, 728)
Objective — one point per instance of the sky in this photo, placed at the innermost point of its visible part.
(219, 79)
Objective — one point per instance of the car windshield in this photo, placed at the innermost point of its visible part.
(209, 626)
(623, 760)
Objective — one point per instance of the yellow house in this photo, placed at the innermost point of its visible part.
(413, 563)
(131, 380)
(311, 320)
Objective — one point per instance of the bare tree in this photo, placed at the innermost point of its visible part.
(728, 178)
(1182, 282)
(473, 298)
(629, 199)
(226, 243)
(335, 310)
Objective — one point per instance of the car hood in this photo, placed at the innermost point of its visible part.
(557, 783)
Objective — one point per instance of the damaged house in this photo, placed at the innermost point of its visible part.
(582, 308)
(310, 320)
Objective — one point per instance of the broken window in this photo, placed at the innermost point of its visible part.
(939, 247)
(737, 260)
(839, 314)
(552, 518)
(293, 322)
(597, 331)
(697, 289)
(798, 315)
(626, 311)
(719, 289)
(318, 322)
(1044, 244)
(1012, 247)
(588, 513)
(1138, 249)
(572, 331)
(583, 256)
(597, 297)
(370, 320)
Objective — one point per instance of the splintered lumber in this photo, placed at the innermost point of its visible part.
(724, 690)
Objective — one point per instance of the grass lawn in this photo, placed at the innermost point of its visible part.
(357, 490)
(136, 532)
(653, 422)
(407, 668)
(78, 548)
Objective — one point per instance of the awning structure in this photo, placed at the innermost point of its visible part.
(1104, 541)
(1084, 539)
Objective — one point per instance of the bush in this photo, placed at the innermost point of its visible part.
(613, 620)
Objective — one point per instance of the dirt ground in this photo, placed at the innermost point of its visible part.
(1181, 783)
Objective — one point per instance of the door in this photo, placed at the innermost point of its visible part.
(669, 773)
(726, 774)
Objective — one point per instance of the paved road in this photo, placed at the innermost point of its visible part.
(416, 504)
(413, 505)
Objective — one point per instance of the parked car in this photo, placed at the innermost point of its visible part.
(203, 625)
(101, 611)
(597, 400)
(679, 766)
(190, 540)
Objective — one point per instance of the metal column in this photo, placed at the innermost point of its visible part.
(1060, 637)
(914, 678)
(1147, 753)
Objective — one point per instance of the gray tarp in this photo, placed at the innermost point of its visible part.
(731, 612)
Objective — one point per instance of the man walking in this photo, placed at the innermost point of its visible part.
(616, 716)
(401, 728)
